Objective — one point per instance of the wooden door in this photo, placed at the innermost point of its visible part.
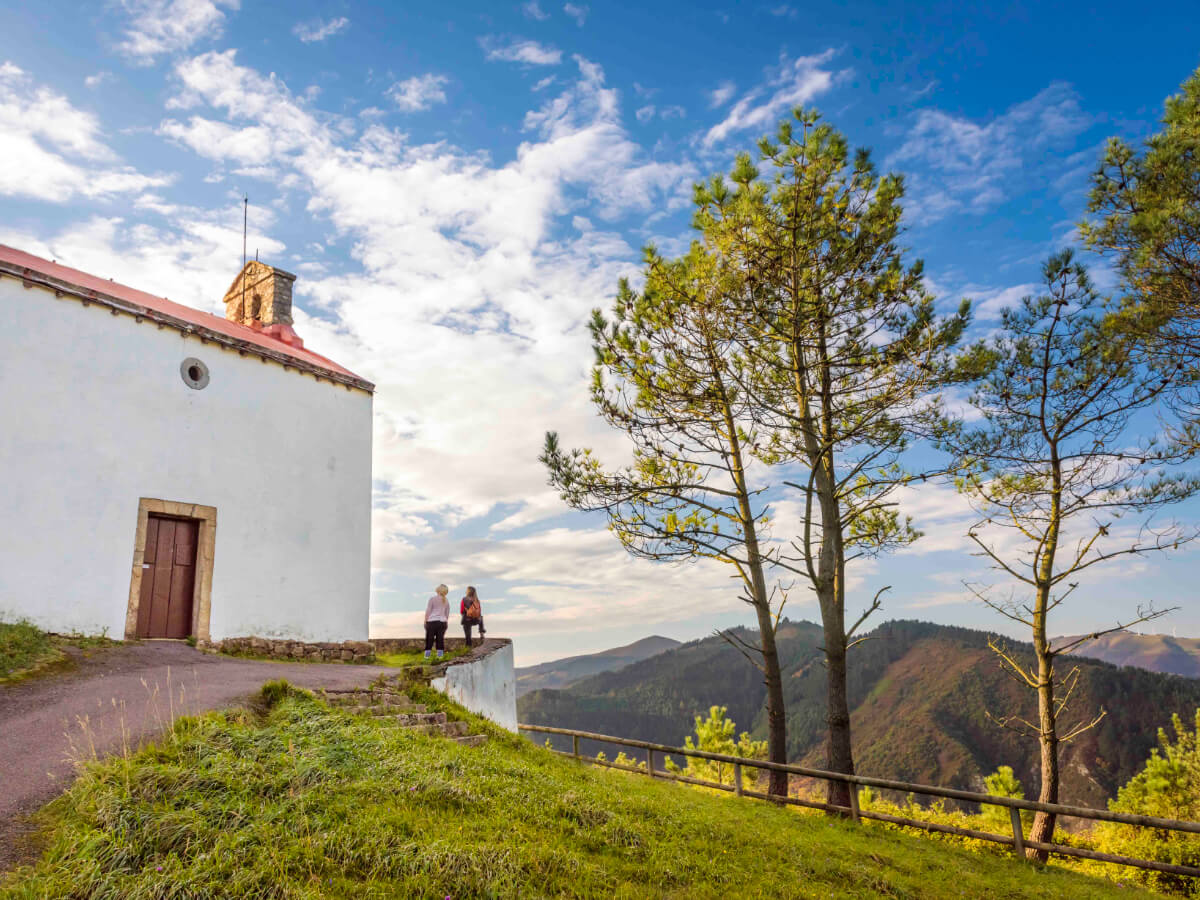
(168, 578)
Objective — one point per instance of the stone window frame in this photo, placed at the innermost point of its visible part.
(206, 541)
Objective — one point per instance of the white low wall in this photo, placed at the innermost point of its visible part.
(485, 685)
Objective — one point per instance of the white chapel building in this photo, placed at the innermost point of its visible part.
(168, 473)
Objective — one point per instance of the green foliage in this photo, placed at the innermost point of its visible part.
(1148, 206)
(310, 802)
(1002, 783)
(23, 647)
(1168, 787)
(718, 734)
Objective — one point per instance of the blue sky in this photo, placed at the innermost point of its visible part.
(457, 185)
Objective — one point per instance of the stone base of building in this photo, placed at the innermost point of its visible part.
(325, 651)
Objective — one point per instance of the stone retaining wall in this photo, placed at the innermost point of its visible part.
(404, 645)
(329, 651)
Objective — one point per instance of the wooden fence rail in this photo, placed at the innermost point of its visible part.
(1016, 840)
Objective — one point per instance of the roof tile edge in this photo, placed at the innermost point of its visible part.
(32, 277)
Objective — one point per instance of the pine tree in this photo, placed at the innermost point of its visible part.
(1063, 446)
(1148, 219)
(842, 349)
(666, 375)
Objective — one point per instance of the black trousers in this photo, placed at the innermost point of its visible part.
(468, 624)
(435, 632)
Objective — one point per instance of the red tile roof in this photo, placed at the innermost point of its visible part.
(36, 270)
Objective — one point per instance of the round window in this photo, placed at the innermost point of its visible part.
(194, 373)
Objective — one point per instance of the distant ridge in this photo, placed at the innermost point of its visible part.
(919, 696)
(1154, 652)
(559, 673)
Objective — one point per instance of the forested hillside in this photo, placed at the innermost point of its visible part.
(919, 694)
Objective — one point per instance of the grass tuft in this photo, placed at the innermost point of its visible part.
(308, 801)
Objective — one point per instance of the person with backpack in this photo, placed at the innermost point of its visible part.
(437, 618)
(472, 615)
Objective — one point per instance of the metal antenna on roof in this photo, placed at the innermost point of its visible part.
(245, 219)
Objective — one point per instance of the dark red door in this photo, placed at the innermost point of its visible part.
(168, 577)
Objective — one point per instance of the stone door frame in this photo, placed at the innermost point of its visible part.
(206, 517)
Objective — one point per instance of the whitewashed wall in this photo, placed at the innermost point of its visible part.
(94, 415)
(486, 685)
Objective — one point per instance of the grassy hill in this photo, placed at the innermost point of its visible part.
(298, 800)
(561, 673)
(918, 694)
(1156, 652)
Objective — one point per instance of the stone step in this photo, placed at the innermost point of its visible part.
(444, 729)
(471, 740)
(368, 698)
(424, 718)
(388, 709)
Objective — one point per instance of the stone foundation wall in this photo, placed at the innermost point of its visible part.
(345, 651)
(404, 645)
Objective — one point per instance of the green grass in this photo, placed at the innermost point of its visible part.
(26, 650)
(415, 658)
(23, 648)
(302, 801)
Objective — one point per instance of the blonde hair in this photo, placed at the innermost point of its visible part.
(442, 589)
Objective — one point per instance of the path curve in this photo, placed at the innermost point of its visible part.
(115, 697)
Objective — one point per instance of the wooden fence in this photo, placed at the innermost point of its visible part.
(1016, 839)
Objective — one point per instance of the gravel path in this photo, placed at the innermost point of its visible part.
(121, 696)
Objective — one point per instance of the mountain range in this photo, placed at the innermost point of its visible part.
(920, 696)
(561, 673)
(1156, 652)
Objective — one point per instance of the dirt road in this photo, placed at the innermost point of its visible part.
(114, 698)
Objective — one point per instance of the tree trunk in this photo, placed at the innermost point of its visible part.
(1043, 823)
(838, 753)
(776, 714)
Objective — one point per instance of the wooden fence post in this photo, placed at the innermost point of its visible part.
(575, 744)
(1018, 837)
(854, 803)
(650, 763)
(737, 779)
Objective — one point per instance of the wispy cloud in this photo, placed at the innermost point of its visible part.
(533, 10)
(792, 83)
(158, 27)
(522, 51)
(98, 80)
(318, 30)
(721, 94)
(576, 11)
(956, 164)
(418, 93)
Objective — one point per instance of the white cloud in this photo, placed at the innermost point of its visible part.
(462, 266)
(956, 164)
(54, 151)
(988, 304)
(721, 94)
(793, 83)
(317, 30)
(418, 93)
(645, 114)
(532, 10)
(157, 27)
(576, 11)
(673, 112)
(97, 80)
(522, 51)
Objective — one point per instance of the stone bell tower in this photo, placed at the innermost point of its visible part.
(261, 294)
